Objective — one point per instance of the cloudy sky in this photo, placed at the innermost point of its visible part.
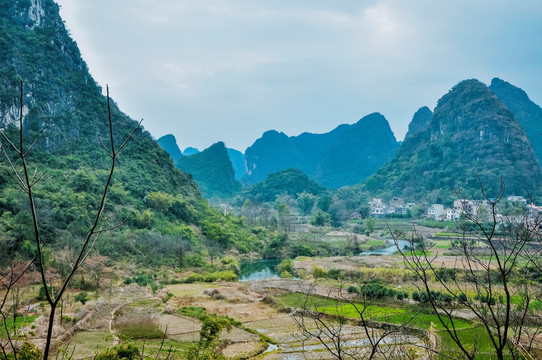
(228, 70)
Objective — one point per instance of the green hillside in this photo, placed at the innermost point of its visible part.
(289, 181)
(169, 144)
(471, 133)
(525, 111)
(66, 113)
(344, 156)
(213, 171)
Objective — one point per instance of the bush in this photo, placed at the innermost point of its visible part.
(353, 289)
(82, 297)
(226, 275)
(41, 293)
(318, 272)
(119, 352)
(334, 274)
(376, 290)
(286, 265)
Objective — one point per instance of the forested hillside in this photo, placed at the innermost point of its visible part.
(525, 111)
(471, 133)
(66, 113)
(212, 169)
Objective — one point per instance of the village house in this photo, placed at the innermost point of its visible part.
(514, 198)
(451, 214)
(471, 207)
(396, 206)
(377, 207)
(436, 211)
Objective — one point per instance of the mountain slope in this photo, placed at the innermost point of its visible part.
(527, 112)
(66, 113)
(190, 151)
(343, 156)
(420, 121)
(471, 133)
(238, 161)
(169, 144)
(288, 181)
(212, 170)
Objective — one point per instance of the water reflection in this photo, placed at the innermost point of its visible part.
(259, 270)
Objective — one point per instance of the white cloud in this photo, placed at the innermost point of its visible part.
(293, 66)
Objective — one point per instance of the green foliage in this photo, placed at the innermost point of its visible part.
(469, 136)
(305, 203)
(29, 351)
(320, 219)
(82, 297)
(212, 325)
(424, 298)
(375, 290)
(318, 272)
(41, 293)
(226, 275)
(289, 181)
(287, 265)
(119, 352)
(143, 279)
(370, 223)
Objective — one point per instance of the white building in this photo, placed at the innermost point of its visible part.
(378, 208)
(435, 210)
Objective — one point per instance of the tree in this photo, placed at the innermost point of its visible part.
(284, 216)
(370, 223)
(490, 281)
(27, 181)
(305, 203)
(324, 202)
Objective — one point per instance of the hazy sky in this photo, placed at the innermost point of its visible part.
(211, 70)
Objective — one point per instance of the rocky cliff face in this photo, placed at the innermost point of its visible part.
(65, 111)
(471, 133)
(33, 37)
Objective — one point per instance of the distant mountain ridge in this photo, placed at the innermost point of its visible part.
(525, 111)
(420, 121)
(212, 169)
(344, 156)
(169, 144)
(471, 133)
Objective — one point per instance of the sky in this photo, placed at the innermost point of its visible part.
(229, 70)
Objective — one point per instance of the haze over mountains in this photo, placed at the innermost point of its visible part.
(471, 131)
(489, 131)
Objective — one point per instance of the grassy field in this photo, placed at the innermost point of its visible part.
(377, 313)
(20, 322)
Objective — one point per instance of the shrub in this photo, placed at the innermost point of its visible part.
(376, 290)
(226, 275)
(119, 352)
(318, 272)
(286, 265)
(41, 293)
(82, 297)
(353, 289)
